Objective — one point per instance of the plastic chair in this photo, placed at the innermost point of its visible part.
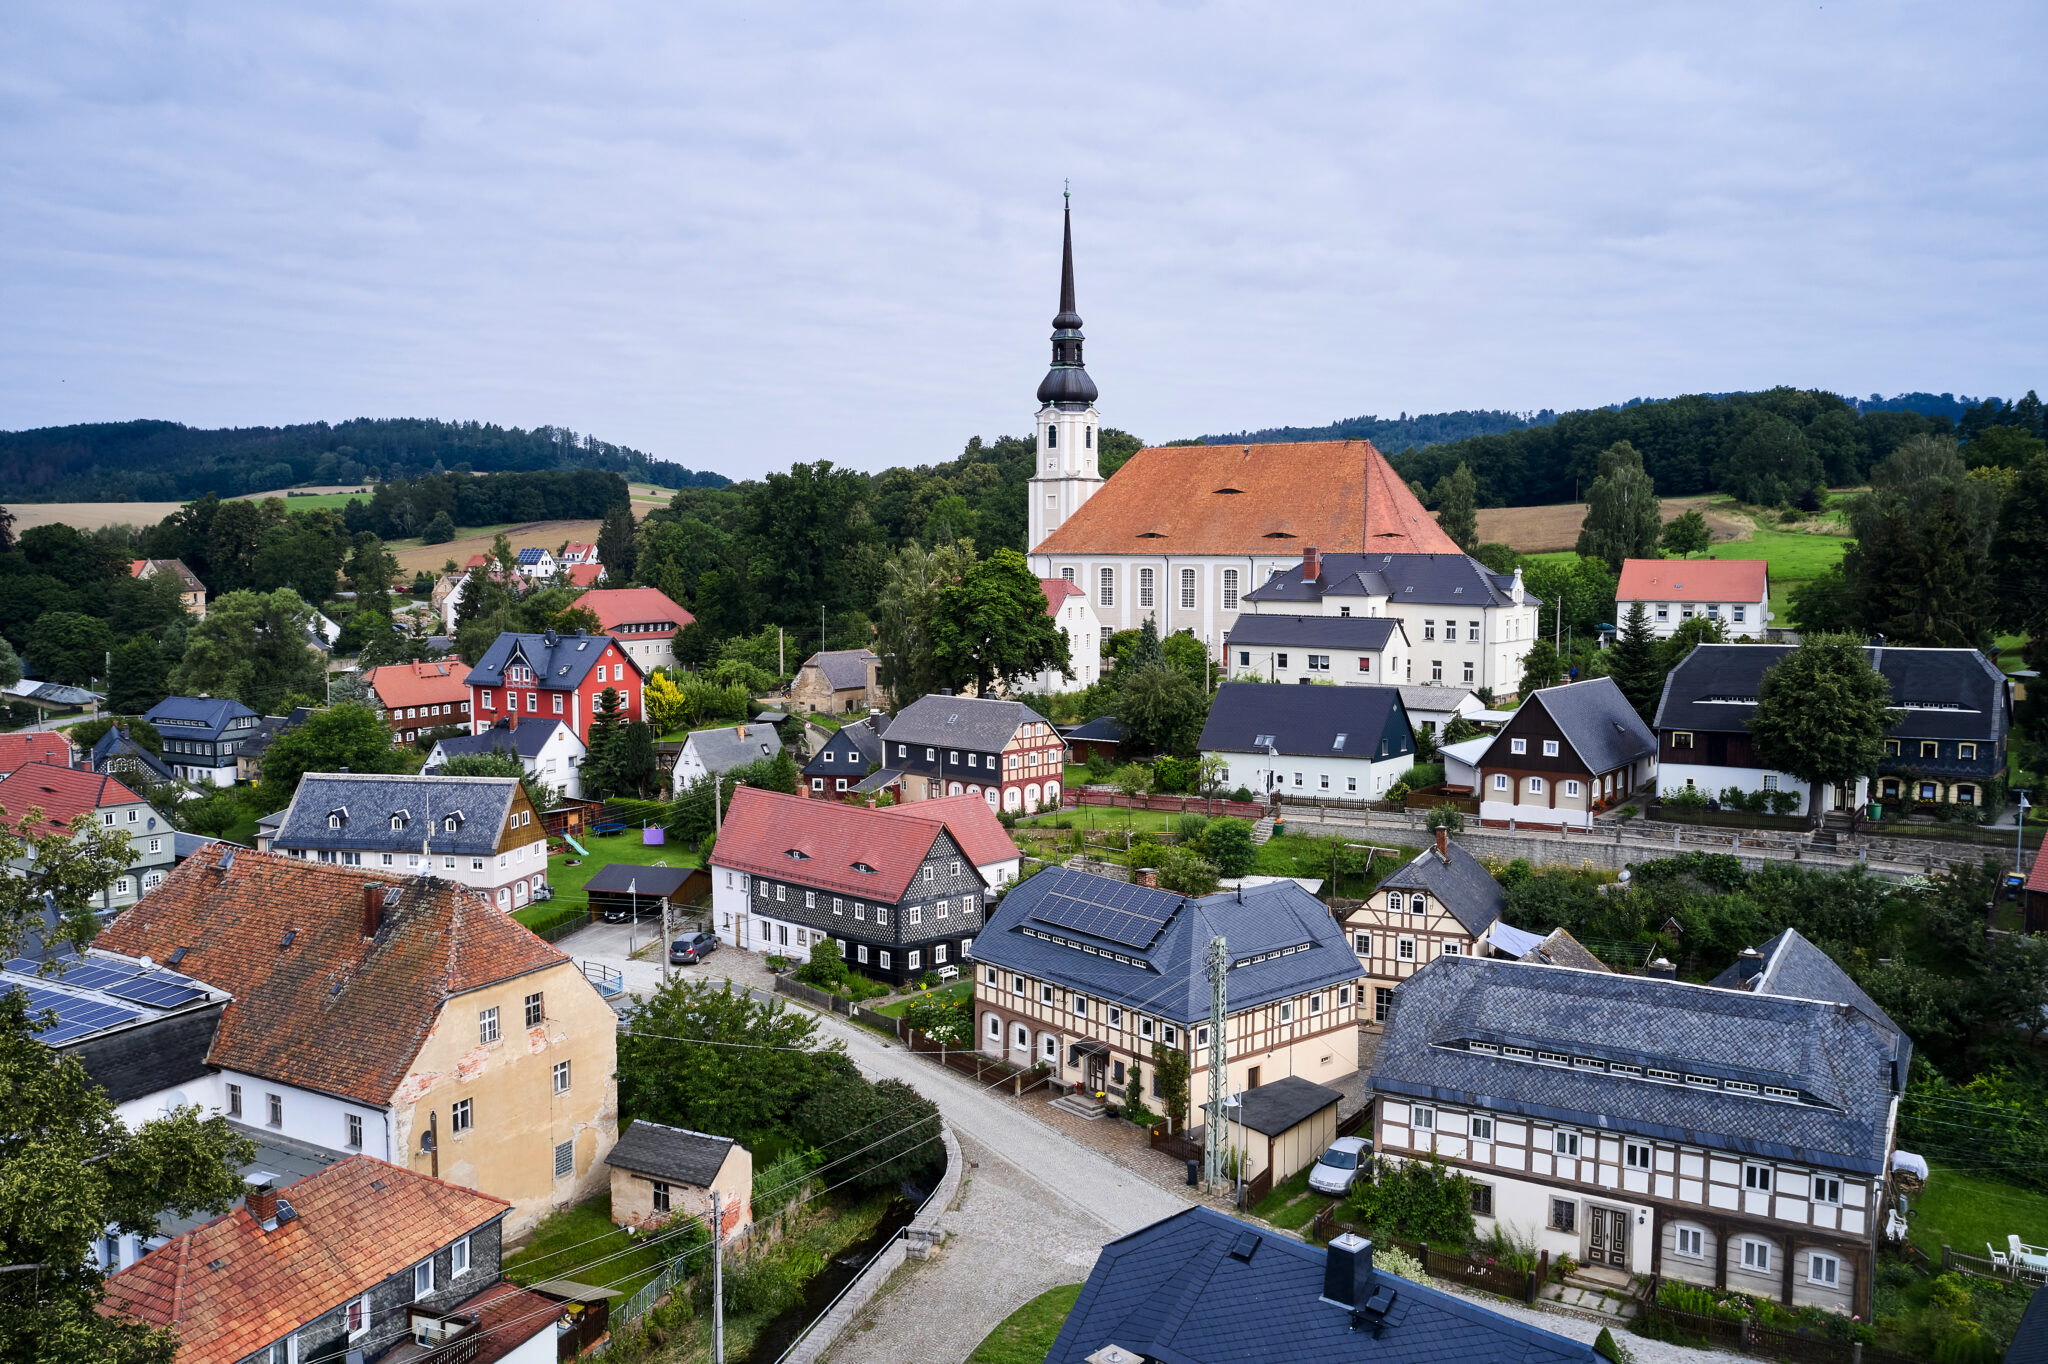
(2000, 1261)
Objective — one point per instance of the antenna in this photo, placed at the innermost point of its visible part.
(1067, 192)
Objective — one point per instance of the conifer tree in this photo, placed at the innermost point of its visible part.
(1633, 663)
(1457, 497)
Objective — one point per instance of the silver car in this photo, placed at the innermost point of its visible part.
(1339, 1165)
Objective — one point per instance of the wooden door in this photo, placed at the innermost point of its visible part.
(1607, 1237)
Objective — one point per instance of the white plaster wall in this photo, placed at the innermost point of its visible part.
(1756, 615)
(1373, 776)
(1385, 665)
(314, 1118)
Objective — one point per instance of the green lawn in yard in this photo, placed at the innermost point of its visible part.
(568, 1244)
(568, 881)
(1103, 817)
(1793, 556)
(958, 990)
(1290, 1191)
(1964, 1212)
(1026, 1334)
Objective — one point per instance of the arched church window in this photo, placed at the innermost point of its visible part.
(1088, 437)
(1052, 437)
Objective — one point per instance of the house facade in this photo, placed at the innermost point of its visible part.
(660, 1173)
(902, 890)
(535, 562)
(546, 749)
(1736, 1138)
(1441, 904)
(577, 552)
(414, 698)
(1003, 751)
(201, 735)
(843, 761)
(1309, 743)
(1088, 975)
(65, 794)
(480, 832)
(837, 682)
(1566, 753)
(1735, 593)
(721, 749)
(1949, 745)
(644, 620)
(406, 1019)
(1346, 650)
(191, 591)
(550, 676)
(1067, 603)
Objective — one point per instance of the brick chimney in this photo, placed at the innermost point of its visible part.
(373, 908)
(1149, 876)
(1311, 564)
(261, 1198)
(1443, 842)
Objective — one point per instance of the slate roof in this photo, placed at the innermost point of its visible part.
(1700, 580)
(1598, 722)
(559, 662)
(480, 806)
(630, 878)
(1176, 1291)
(1273, 1108)
(61, 793)
(1103, 729)
(1944, 693)
(525, 740)
(2030, 1341)
(1793, 967)
(116, 744)
(52, 693)
(1249, 499)
(1303, 721)
(617, 608)
(1166, 978)
(190, 714)
(330, 1010)
(39, 746)
(1827, 1052)
(844, 669)
(879, 780)
(1458, 882)
(862, 739)
(188, 581)
(1450, 578)
(675, 1154)
(961, 722)
(349, 1235)
(1329, 632)
(763, 828)
(1433, 698)
(730, 746)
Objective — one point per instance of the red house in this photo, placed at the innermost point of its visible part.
(553, 677)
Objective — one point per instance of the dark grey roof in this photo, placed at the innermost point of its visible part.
(1166, 977)
(730, 746)
(184, 845)
(844, 669)
(524, 741)
(118, 746)
(2030, 1341)
(960, 722)
(291, 1161)
(186, 714)
(1305, 721)
(1944, 693)
(1411, 579)
(853, 747)
(1203, 1288)
(1559, 948)
(1289, 1100)
(559, 662)
(1422, 697)
(1310, 632)
(1598, 722)
(1828, 1054)
(675, 1154)
(1790, 966)
(628, 878)
(1103, 729)
(1459, 882)
(878, 779)
(480, 807)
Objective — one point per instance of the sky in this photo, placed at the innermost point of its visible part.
(739, 236)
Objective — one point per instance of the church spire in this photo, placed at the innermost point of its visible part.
(1067, 381)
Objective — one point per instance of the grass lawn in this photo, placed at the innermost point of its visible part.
(962, 989)
(568, 881)
(1293, 1204)
(321, 501)
(1103, 817)
(567, 1244)
(1026, 1334)
(1964, 1212)
(1793, 556)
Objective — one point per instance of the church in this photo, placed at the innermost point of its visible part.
(1194, 535)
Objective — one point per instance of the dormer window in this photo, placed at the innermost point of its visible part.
(796, 855)
(449, 824)
(864, 869)
(398, 821)
(334, 821)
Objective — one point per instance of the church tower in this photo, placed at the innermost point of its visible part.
(1066, 474)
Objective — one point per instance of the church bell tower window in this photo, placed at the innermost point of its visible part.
(1052, 437)
(1088, 437)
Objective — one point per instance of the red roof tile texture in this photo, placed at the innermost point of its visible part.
(763, 828)
(585, 575)
(617, 606)
(348, 1237)
(972, 823)
(507, 1316)
(1701, 580)
(61, 793)
(1340, 496)
(2037, 879)
(420, 684)
(1057, 590)
(35, 746)
(331, 1010)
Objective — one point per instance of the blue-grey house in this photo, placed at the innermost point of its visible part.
(202, 735)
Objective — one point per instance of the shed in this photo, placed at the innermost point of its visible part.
(1282, 1127)
(629, 886)
(659, 1172)
(1104, 735)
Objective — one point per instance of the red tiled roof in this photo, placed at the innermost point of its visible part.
(1340, 496)
(585, 575)
(1692, 580)
(61, 793)
(507, 1316)
(34, 746)
(1057, 590)
(973, 825)
(332, 1011)
(616, 606)
(577, 547)
(230, 1288)
(763, 827)
(420, 684)
(2037, 879)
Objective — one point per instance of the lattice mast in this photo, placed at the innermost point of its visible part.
(1212, 1127)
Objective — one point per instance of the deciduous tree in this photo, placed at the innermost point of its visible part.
(1161, 711)
(1622, 516)
(991, 624)
(348, 735)
(1687, 535)
(1541, 667)
(1822, 713)
(253, 647)
(711, 1058)
(1457, 503)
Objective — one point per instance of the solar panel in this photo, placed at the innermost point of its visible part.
(166, 990)
(93, 973)
(75, 1017)
(1130, 915)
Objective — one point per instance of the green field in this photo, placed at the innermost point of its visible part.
(1793, 557)
(1027, 1334)
(319, 501)
(568, 881)
(1964, 1212)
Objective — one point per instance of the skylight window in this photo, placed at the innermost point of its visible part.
(1339, 744)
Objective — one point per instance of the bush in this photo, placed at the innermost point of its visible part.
(1397, 1261)
(826, 968)
(1230, 847)
(1422, 776)
(1446, 816)
(1172, 774)
(1685, 798)
(1424, 1200)
(1007, 818)
(1786, 802)
(1242, 795)
(1188, 827)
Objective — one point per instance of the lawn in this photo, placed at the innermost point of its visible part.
(568, 881)
(568, 1244)
(1293, 1205)
(1963, 1212)
(1103, 817)
(1793, 556)
(1027, 1334)
(299, 502)
(962, 989)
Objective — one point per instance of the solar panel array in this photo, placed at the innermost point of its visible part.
(155, 987)
(76, 1017)
(1121, 913)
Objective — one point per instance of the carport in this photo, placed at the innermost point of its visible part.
(625, 886)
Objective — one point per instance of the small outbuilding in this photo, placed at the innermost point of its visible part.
(630, 887)
(1104, 735)
(660, 1172)
(1282, 1127)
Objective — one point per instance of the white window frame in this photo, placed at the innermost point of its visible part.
(1691, 1242)
(1105, 591)
(1636, 1155)
(1422, 1119)
(458, 1259)
(1756, 1255)
(1482, 1128)
(1818, 1261)
(1518, 746)
(1757, 1178)
(423, 1279)
(1550, 748)
(1565, 1143)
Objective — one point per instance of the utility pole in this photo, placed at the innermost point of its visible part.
(1212, 1127)
(717, 1278)
(668, 969)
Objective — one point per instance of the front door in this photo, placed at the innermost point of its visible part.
(1607, 1237)
(1096, 1066)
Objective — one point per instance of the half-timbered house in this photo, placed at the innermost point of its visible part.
(1441, 904)
(1566, 754)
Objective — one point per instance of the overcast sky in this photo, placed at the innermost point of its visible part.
(745, 235)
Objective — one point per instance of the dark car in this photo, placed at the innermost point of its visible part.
(691, 948)
(648, 907)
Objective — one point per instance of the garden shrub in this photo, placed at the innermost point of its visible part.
(1188, 827)
(1421, 1200)
(1243, 795)
(1172, 774)
(1229, 845)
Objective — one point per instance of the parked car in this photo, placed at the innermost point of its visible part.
(1339, 1165)
(691, 948)
(649, 907)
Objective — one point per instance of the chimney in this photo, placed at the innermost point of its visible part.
(261, 1198)
(1347, 1273)
(1114, 1354)
(1443, 843)
(1149, 876)
(1311, 564)
(945, 691)
(1662, 969)
(373, 908)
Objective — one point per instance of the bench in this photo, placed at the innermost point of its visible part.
(949, 973)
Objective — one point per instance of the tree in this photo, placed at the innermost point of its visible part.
(1768, 462)
(603, 774)
(874, 1134)
(1633, 662)
(1457, 500)
(498, 762)
(991, 624)
(1170, 1076)
(2019, 551)
(348, 735)
(69, 647)
(1920, 571)
(1183, 651)
(713, 1059)
(440, 530)
(253, 647)
(1822, 713)
(615, 544)
(1689, 635)
(88, 733)
(1623, 520)
(1161, 711)
(1687, 535)
(666, 703)
(10, 664)
(1541, 667)
(370, 569)
(1825, 605)
(139, 678)
(904, 616)
(1186, 872)
(1146, 650)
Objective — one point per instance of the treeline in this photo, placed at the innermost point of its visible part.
(1395, 434)
(160, 461)
(401, 508)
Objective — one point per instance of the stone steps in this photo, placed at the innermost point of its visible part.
(1597, 1296)
(1262, 830)
(1081, 1106)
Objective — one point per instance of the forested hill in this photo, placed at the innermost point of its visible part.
(157, 461)
(1394, 434)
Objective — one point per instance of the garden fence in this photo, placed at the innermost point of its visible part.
(1237, 809)
(989, 1071)
(1794, 1347)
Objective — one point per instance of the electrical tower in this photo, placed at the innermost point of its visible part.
(1212, 1127)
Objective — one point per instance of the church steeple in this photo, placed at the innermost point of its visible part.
(1067, 381)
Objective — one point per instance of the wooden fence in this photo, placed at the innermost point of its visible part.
(1239, 809)
(1795, 1347)
(1179, 1145)
(839, 1004)
(986, 1070)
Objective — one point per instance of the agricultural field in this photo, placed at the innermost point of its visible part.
(413, 556)
(1796, 551)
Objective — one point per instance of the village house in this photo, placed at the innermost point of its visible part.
(536, 563)
(1431, 707)
(405, 1019)
(1346, 650)
(1067, 603)
(50, 746)
(1003, 751)
(1735, 1137)
(1949, 745)
(644, 620)
(1088, 975)
(837, 682)
(1564, 755)
(65, 794)
(546, 749)
(191, 592)
(555, 676)
(1441, 903)
(118, 754)
(1309, 743)
(721, 749)
(577, 552)
(660, 1173)
(414, 698)
(839, 769)
(480, 832)
(249, 750)
(201, 735)
(901, 889)
(1735, 593)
